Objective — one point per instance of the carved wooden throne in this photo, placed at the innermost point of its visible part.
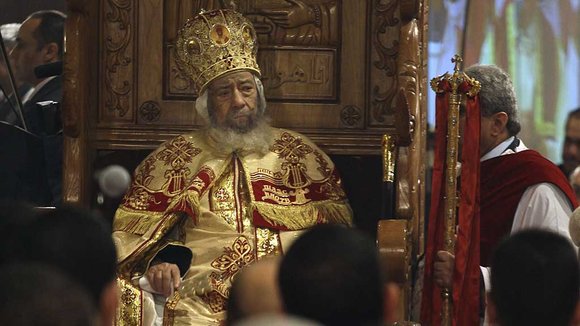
(331, 72)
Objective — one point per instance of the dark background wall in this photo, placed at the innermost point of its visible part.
(15, 11)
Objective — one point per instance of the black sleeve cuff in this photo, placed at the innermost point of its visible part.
(178, 255)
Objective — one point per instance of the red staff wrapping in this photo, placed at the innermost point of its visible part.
(454, 218)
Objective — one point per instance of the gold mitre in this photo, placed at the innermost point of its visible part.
(214, 43)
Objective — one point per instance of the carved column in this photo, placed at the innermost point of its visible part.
(76, 99)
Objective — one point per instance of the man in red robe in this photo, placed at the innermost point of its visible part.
(519, 188)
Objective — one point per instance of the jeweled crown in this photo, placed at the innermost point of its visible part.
(214, 43)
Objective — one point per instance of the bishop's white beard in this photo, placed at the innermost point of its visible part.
(226, 140)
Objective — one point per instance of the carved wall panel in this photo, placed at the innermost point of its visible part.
(386, 24)
(329, 68)
(178, 86)
(118, 33)
(301, 74)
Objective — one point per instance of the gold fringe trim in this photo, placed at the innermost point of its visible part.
(188, 198)
(302, 217)
(336, 212)
(139, 222)
(135, 222)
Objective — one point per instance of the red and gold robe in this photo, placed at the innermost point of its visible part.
(212, 214)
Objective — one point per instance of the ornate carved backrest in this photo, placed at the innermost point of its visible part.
(401, 238)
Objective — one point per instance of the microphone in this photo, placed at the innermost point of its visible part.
(114, 180)
(48, 70)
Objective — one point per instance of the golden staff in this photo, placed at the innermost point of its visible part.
(389, 161)
(451, 199)
(390, 143)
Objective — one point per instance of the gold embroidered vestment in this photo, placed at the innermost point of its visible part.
(216, 213)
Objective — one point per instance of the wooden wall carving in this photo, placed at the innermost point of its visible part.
(384, 51)
(299, 74)
(351, 116)
(329, 69)
(150, 111)
(118, 32)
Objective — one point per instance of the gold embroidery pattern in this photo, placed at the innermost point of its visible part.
(234, 258)
(176, 181)
(332, 189)
(216, 301)
(229, 263)
(143, 175)
(169, 311)
(129, 310)
(292, 150)
(222, 197)
(178, 152)
(323, 164)
(198, 184)
(267, 243)
(138, 197)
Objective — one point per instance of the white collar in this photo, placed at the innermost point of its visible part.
(497, 150)
(35, 89)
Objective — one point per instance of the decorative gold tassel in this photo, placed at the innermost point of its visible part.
(188, 198)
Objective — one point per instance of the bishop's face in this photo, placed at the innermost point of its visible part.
(233, 102)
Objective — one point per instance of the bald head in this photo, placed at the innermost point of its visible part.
(575, 181)
(255, 291)
(575, 227)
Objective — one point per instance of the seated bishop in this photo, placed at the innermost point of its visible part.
(207, 203)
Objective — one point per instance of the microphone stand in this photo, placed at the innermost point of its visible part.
(17, 110)
(7, 99)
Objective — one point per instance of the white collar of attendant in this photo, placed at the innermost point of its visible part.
(497, 150)
(35, 89)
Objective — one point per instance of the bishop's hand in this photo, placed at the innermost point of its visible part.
(164, 278)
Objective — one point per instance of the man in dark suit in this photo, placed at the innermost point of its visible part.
(39, 42)
(7, 96)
